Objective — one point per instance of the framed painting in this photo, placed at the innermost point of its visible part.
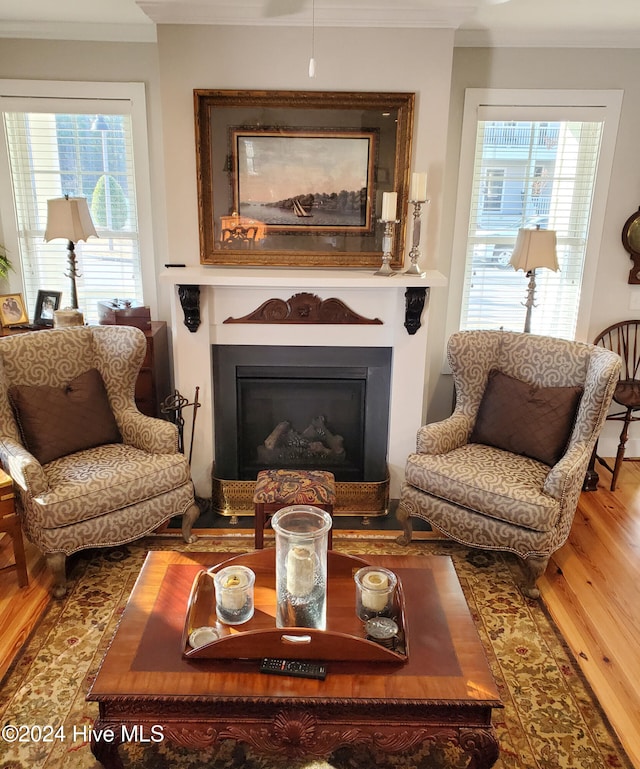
(289, 178)
(47, 303)
(12, 310)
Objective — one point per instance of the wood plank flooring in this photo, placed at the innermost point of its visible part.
(590, 589)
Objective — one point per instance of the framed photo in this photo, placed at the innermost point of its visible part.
(289, 178)
(12, 310)
(46, 303)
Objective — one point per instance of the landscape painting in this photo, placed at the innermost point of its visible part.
(300, 179)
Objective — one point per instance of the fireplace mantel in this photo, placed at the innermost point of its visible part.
(280, 277)
(235, 291)
(190, 280)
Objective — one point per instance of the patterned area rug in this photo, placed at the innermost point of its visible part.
(551, 719)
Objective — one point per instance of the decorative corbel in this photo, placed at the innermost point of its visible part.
(190, 301)
(414, 304)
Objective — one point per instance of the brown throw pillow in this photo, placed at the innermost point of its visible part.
(525, 419)
(56, 421)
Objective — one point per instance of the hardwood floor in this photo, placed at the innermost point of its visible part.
(590, 589)
(20, 608)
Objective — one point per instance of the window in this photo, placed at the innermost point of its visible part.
(82, 147)
(493, 187)
(527, 163)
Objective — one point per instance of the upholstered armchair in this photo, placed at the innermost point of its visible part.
(505, 470)
(90, 470)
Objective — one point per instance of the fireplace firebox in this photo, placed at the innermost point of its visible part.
(301, 408)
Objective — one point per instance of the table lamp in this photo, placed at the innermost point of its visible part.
(533, 249)
(69, 218)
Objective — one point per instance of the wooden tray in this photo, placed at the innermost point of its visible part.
(344, 639)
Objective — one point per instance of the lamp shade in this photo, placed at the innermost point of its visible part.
(69, 218)
(535, 248)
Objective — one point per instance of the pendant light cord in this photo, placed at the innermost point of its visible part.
(312, 60)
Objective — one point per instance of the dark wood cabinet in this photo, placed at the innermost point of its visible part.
(153, 384)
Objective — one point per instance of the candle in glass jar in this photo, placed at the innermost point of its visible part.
(389, 206)
(232, 595)
(375, 592)
(418, 187)
(300, 570)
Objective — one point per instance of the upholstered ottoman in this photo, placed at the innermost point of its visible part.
(276, 489)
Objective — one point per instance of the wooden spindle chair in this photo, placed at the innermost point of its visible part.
(623, 338)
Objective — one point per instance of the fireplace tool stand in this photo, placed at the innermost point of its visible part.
(174, 405)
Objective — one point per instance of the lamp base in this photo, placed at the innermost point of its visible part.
(72, 273)
(529, 302)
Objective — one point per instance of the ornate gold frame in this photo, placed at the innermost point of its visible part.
(229, 238)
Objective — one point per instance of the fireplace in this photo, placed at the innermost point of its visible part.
(230, 292)
(323, 408)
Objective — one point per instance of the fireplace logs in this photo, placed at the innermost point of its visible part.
(315, 445)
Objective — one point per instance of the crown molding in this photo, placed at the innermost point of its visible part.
(545, 38)
(331, 13)
(97, 32)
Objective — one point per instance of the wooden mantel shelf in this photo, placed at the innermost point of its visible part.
(190, 279)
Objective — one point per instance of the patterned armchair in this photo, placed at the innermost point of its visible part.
(99, 481)
(498, 473)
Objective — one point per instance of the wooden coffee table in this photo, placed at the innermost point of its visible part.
(443, 692)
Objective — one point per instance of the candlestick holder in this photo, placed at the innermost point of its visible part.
(387, 243)
(414, 253)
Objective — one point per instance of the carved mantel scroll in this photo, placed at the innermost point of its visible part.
(305, 308)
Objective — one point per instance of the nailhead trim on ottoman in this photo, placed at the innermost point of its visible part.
(276, 489)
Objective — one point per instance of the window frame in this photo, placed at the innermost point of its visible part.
(533, 104)
(23, 95)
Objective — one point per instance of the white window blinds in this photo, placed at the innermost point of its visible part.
(531, 158)
(529, 173)
(75, 147)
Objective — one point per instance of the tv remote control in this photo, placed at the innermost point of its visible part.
(299, 668)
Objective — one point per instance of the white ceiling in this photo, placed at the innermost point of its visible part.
(597, 23)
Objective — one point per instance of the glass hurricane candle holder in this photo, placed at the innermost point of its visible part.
(301, 566)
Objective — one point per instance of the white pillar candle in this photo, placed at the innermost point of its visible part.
(375, 592)
(233, 595)
(389, 206)
(418, 187)
(300, 570)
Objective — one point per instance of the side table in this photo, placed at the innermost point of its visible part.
(152, 385)
(10, 524)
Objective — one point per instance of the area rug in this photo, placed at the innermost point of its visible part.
(550, 719)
